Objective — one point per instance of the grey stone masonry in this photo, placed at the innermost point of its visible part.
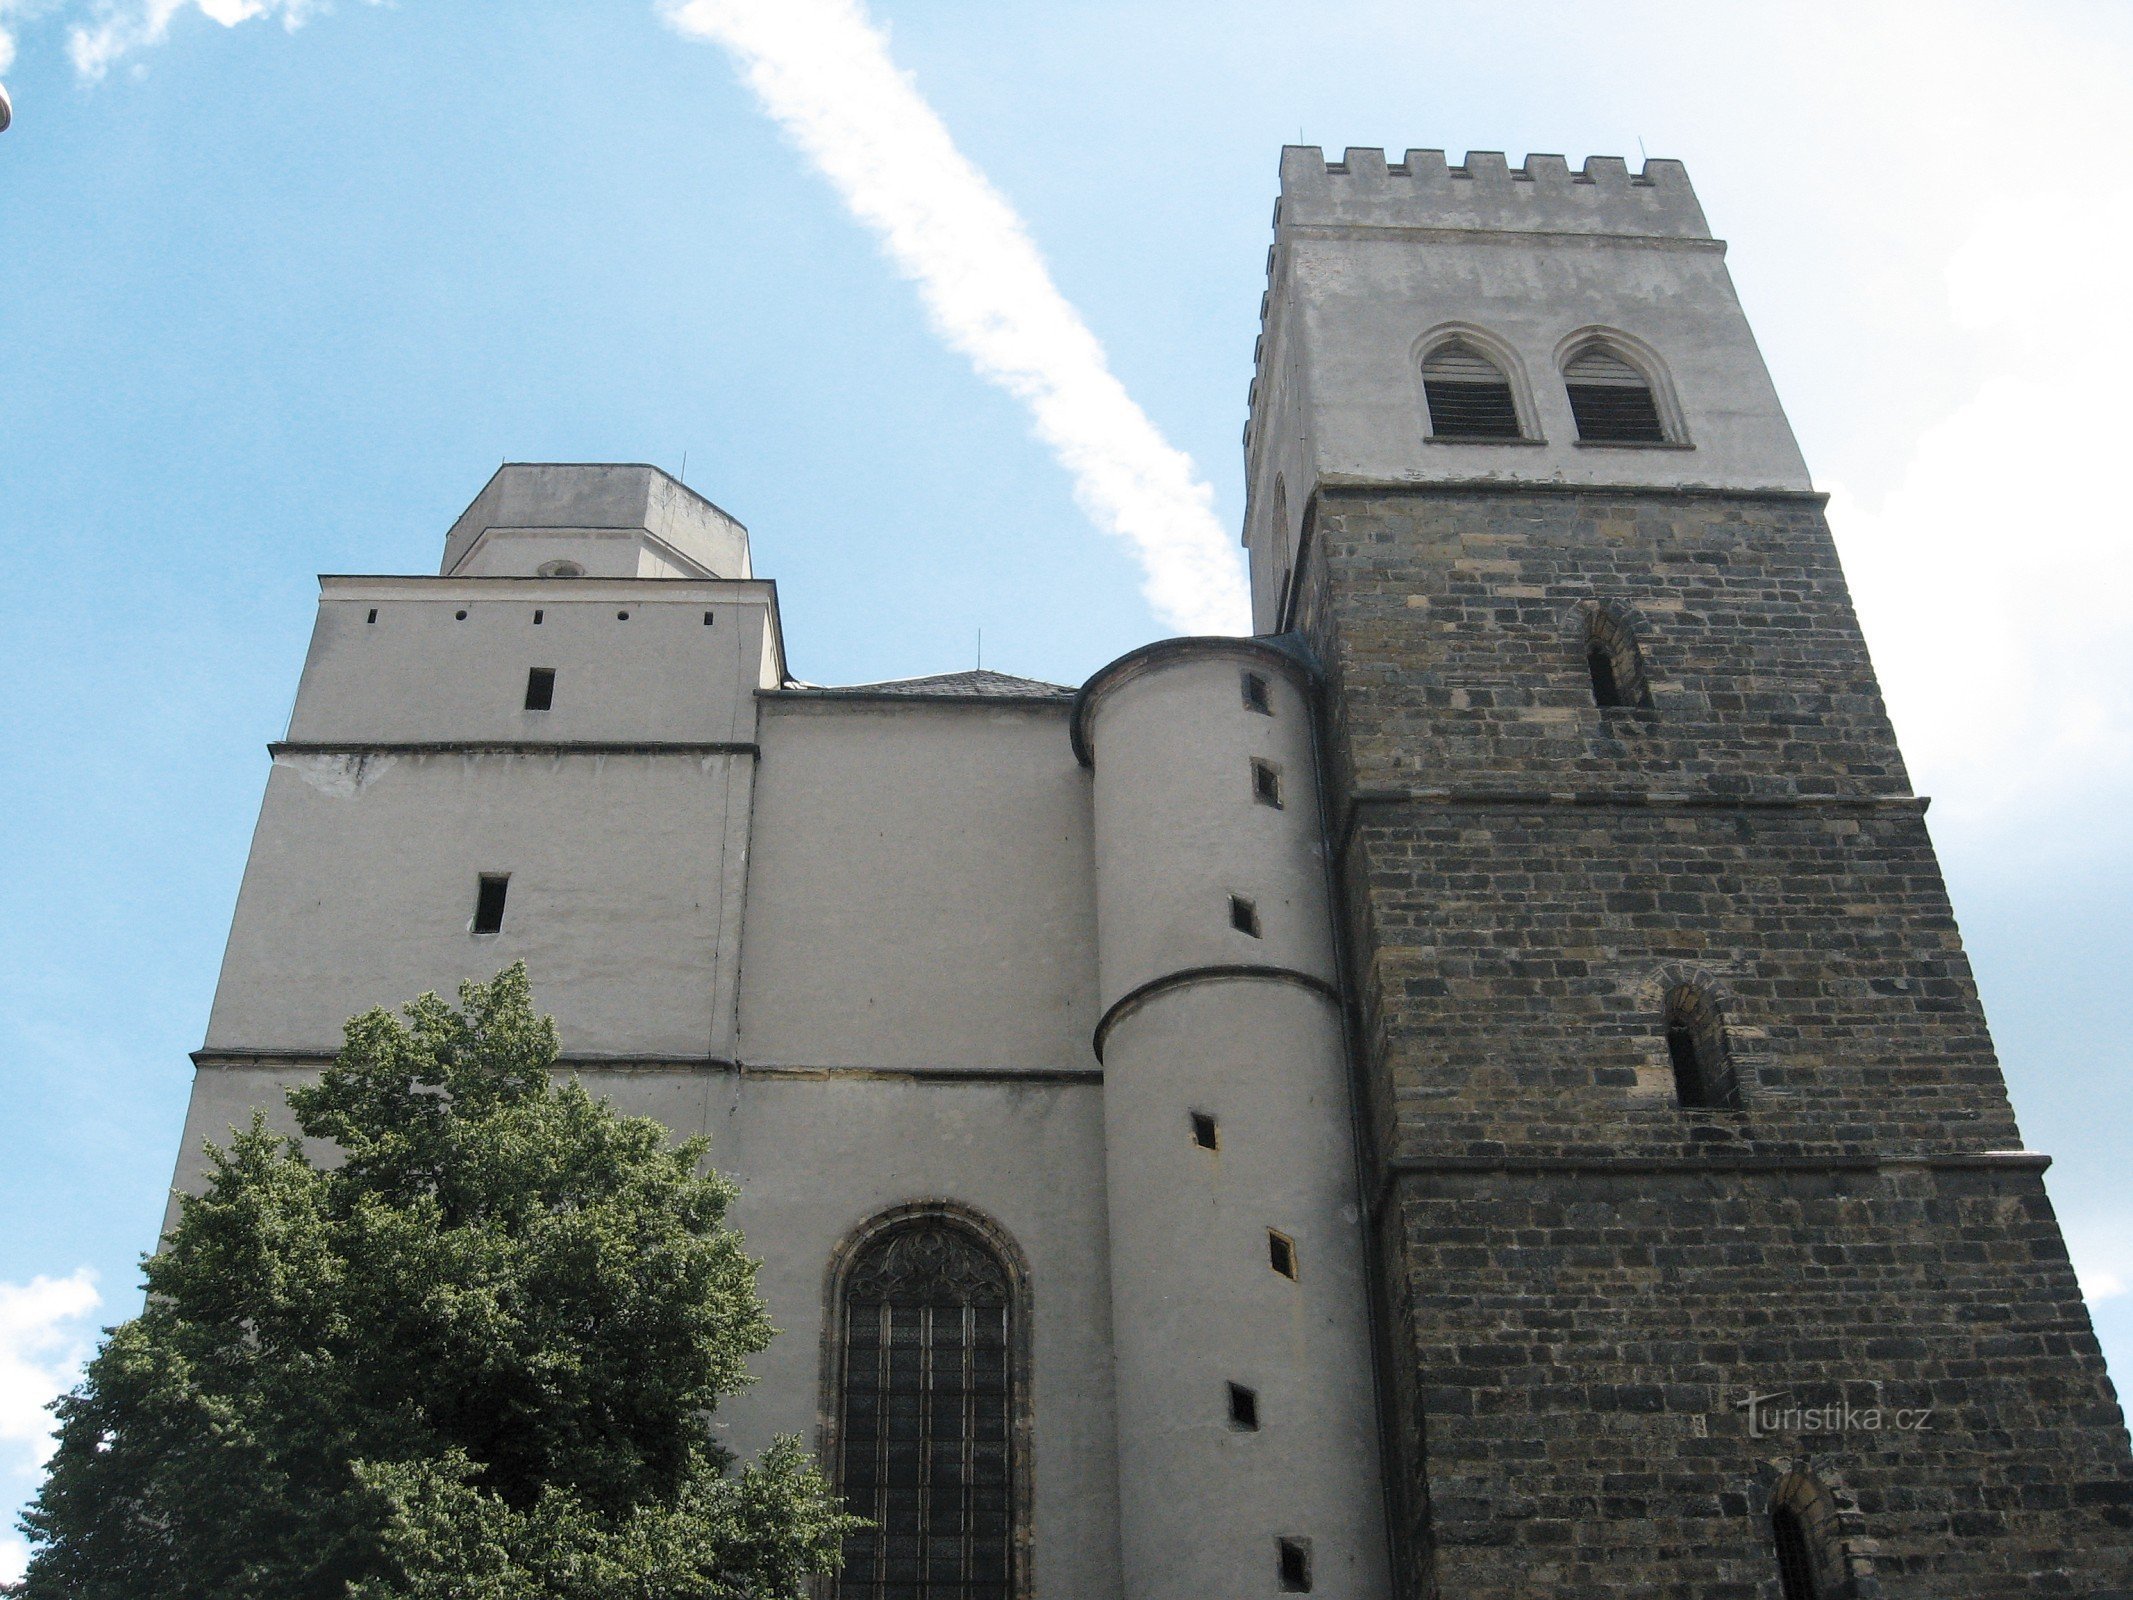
(1581, 1277)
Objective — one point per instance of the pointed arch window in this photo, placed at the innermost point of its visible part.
(1611, 400)
(1469, 396)
(1704, 1079)
(927, 1416)
(1615, 661)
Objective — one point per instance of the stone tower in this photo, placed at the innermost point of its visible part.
(1677, 1087)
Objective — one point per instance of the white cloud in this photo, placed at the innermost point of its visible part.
(44, 1338)
(117, 28)
(1992, 580)
(2101, 1246)
(13, 14)
(823, 71)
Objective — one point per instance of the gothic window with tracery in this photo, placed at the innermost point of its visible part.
(925, 1417)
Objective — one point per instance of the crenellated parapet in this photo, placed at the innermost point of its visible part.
(1485, 192)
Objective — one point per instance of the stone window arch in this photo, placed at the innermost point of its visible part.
(926, 1426)
(1698, 1050)
(1471, 389)
(1618, 390)
(1614, 659)
(1806, 1540)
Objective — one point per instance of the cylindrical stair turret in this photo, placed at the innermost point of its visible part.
(1248, 1452)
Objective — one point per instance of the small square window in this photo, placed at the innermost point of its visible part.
(1204, 1132)
(1243, 915)
(489, 902)
(1256, 697)
(1243, 1408)
(1266, 783)
(540, 688)
(1281, 1253)
(1294, 1565)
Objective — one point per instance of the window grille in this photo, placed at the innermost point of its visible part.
(1611, 400)
(924, 1437)
(1468, 395)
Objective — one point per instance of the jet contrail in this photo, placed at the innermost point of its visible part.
(822, 70)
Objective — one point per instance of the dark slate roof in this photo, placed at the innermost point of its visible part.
(981, 684)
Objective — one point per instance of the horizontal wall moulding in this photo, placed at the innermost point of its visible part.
(1731, 1161)
(1334, 483)
(311, 1060)
(1637, 799)
(1243, 972)
(512, 747)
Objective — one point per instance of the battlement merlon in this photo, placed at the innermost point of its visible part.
(1487, 194)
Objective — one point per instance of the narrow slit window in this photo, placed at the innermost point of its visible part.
(1795, 1559)
(489, 902)
(1281, 1253)
(1243, 1408)
(1294, 1565)
(1611, 400)
(1266, 783)
(1243, 915)
(1205, 1133)
(540, 688)
(707, 619)
(1468, 395)
(1615, 662)
(1704, 1079)
(373, 617)
(1256, 697)
(536, 618)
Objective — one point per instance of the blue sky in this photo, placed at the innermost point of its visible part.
(274, 301)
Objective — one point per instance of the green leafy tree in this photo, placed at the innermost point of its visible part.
(476, 1358)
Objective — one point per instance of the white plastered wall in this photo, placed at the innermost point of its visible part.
(816, 1156)
(1196, 1302)
(919, 888)
(361, 885)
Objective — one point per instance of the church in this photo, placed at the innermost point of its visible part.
(1474, 1090)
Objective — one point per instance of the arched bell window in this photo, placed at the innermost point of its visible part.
(1795, 1556)
(1611, 400)
(1805, 1539)
(1469, 395)
(1704, 1079)
(929, 1422)
(1615, 661)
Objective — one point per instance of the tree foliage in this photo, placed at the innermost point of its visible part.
(475, 1358)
